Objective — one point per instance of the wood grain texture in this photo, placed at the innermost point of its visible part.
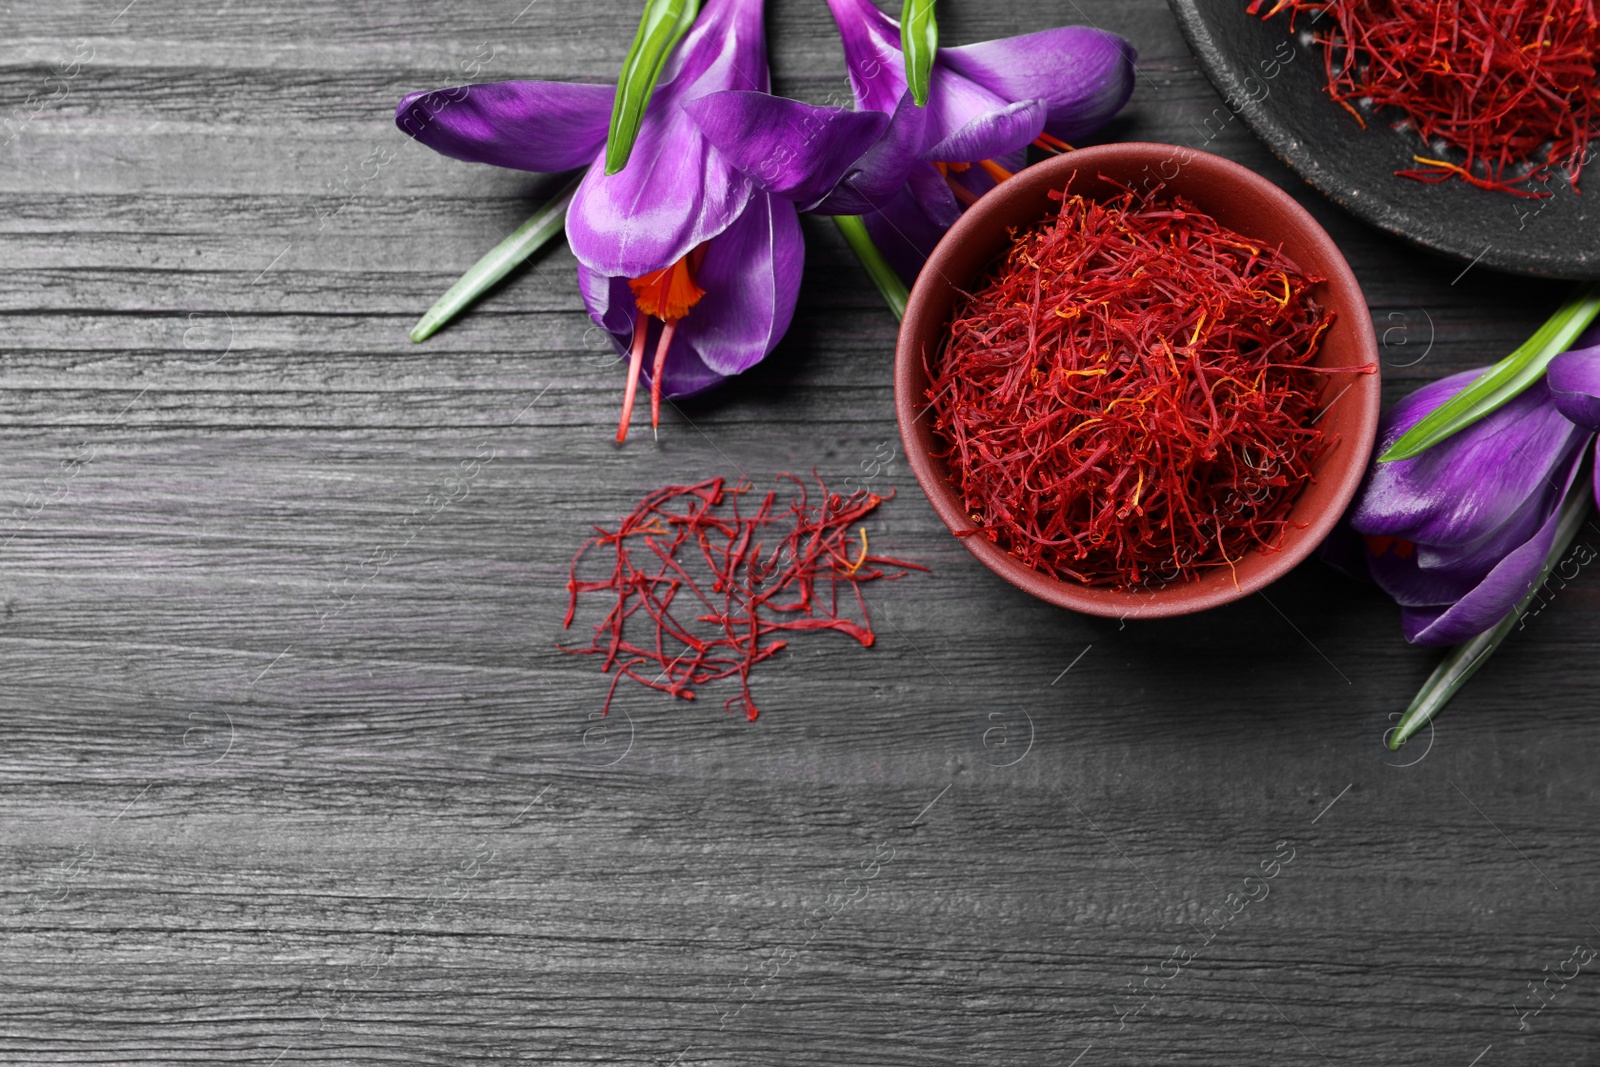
(264, 800)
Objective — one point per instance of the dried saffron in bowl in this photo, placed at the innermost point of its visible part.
(700, 591)
(1127, 398)
(1511, 87)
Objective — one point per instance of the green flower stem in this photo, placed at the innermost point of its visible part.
(524, 241)
(919, 40)
(1464, 660)
(663, 25)
(1503, 381)
(882, 274)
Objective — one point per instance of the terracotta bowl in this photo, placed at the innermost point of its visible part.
(1239, 199)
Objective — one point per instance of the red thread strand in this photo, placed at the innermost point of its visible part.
(692, 538)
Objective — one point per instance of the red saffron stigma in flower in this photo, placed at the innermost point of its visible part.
(699, 591)
(668, 295)
(1510, 86)
(1129, 396)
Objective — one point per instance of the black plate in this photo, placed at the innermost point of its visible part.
(1276, 81)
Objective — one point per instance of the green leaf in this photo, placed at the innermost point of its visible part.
(1501, 382)
(885, 277)
(524, 241)
(1464, 660)
(919, 39)
(664, 24)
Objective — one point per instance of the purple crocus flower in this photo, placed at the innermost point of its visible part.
(1458, 535)
(986, 103)
(680, 243)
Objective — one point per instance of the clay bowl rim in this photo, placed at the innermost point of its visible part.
(1280, 216)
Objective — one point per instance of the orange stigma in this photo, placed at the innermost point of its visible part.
(995, 170)
(962, 193)
(667, 294)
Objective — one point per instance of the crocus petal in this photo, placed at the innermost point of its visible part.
(1480, 557)
(610, 304)
(1083, 75)
(790, 149)
(1471, 484)
(1495, 597)
(1430, 576)
(872, 56)
(526, 125)
(954, 104)
(991, 133)
(751, 277)
(1411, 586)
(677, 191)
(1574, 379)
(933, 195)
(903, 228)
(876, 67)
(878, 175)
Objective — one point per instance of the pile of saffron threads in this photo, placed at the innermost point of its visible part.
(699, 591)
(1512, 86)
(1127, 398)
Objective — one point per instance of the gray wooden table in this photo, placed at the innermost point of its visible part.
(264, 799)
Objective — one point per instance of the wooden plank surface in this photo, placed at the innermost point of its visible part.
(264, 800)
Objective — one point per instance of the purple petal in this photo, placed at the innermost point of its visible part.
(1083, 75)
(1574, 379)
(1481, 556)
(956, 103)
(751, 277)
(991, 133)
(903, 228)
(932, 193)
(872, 55)
(610, 304)
(1428, 575)
(1411, 586)
(1472, 484)
(886, 166)
(1495, 597)
(789, 149)
(540, 126)
(676, 192)
(1471, 562)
